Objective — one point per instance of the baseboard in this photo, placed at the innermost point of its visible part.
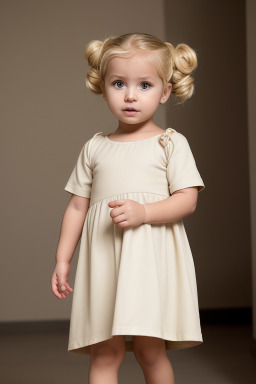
(226, 316)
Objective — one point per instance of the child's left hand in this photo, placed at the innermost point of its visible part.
(127, 212)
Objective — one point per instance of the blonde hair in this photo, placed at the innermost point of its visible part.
(174, 65)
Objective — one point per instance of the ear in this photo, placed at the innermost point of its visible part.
(166, 93)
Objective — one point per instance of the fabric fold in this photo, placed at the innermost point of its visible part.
(142, 283)
(133, 280)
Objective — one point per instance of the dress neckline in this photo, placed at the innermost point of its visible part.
(129, 142)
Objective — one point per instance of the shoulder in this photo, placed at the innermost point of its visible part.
(178, 136)
(179, 141)
(89, 143)
(173, 133)
(178, 146)
(175, 139)
(95, 136)
(87, 148)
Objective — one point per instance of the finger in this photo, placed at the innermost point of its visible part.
(116, 202)
(69, 288)
(62, 293)
(120, 218)
(116, 211)
(123, 224)
(54, 286)
(63, 288)
(55, 290)
(62, 284)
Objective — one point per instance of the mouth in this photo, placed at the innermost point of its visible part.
(130, 109)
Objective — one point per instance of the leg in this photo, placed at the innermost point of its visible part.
(106, 358)
(150, 353)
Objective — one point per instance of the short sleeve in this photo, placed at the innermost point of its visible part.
(80, 180)
(182, 171)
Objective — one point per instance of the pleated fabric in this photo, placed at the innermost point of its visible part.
(135, 280)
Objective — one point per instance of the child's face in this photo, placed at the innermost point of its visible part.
(134, 83)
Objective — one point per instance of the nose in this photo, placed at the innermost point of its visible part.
(130, 94)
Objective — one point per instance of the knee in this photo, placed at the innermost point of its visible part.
(149, 357)
(106, 356)
(146, 358)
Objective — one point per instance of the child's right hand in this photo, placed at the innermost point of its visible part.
(59, 280)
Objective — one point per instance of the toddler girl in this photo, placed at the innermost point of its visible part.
(135, 286)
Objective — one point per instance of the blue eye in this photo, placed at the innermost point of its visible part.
(118, 82)
(145, 83)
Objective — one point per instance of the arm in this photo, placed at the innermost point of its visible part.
(180, 204)
(71, 228)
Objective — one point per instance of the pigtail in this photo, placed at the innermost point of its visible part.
(93, 55)
(184, 63)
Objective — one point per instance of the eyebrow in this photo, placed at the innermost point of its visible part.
(141, 77)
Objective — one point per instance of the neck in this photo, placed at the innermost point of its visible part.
(145, 126)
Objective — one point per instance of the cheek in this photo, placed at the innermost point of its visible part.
(153, 94)
(113, 100)
(112, 95)
(152, 99)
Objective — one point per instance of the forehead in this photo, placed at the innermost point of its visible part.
(139, 63)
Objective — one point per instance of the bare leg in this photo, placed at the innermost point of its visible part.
(159, 373)
(151, 354)
(106, 359)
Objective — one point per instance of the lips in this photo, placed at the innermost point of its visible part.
(130, 109)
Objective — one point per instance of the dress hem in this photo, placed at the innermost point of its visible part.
(173, 341)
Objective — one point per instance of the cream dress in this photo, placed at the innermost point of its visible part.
(135, 280)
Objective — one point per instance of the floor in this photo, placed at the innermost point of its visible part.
(42, 358)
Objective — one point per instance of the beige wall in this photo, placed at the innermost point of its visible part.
(48, 114)
(251, 94)
(215, 123)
